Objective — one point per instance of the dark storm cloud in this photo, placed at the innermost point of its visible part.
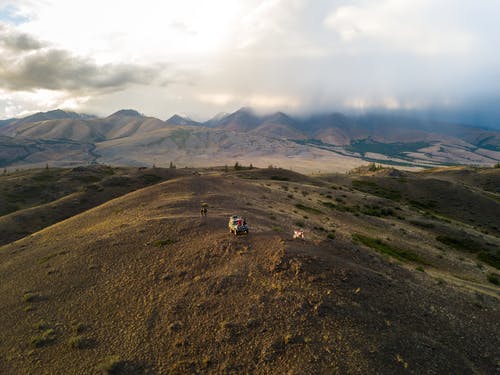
(28, 64)
(60, 70)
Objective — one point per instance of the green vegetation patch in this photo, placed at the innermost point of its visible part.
(162, 243)
(44, 338)
(493, 278)
(30, 297)
(376, 210)
(422, 224)
(329, 205)
(393, 150)
(462, 244)
(78, 342)
(280, 178)
(151, 179)
(371, 187)
(471, 246)
(490, 258)
(424, 204)
(111, 364)
(308, 209)
(384, 248)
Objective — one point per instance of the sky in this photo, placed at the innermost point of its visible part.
(199, 58)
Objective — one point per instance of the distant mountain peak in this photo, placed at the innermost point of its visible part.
(180, 120)
(128, 113)
(56, 114)
(246, 110)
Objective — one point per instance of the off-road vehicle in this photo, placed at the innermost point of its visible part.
(237, 225)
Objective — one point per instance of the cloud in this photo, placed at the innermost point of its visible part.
(28, 64)
(15, 41)
(59, 70)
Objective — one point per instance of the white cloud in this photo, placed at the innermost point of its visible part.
(412, 25)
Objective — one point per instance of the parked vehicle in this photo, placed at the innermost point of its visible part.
(237, 225)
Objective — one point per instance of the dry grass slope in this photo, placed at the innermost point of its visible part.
(143, 284)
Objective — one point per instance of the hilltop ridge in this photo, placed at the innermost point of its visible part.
(146, 284)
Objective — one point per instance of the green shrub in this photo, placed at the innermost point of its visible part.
(279, 178)
(493, 278)
(78, 342)
(422, 224)
(490, 258)
(374, 189)
(44, 338)
(462, 244)
(383, 248)
(161, 243)
(308, 209)
(329, 205)
(111, 364)
(30, 297)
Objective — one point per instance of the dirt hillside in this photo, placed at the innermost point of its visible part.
(144, 284)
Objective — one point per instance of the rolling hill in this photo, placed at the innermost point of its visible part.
(143, 284)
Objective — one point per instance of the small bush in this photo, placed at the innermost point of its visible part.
(308, 209)
(462, 244)
(330, 236)
(493, 278)
(110, 365)
(329, 205)
(41, 325)
(78, 342)
(375, 210)
(151, 179)
(422, 224)
(44, 338)
(79, 328)
(374, 189)
(279, 178)
(30, 297)
(490, 258)
(162, 243)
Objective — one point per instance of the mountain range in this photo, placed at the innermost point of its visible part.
(322, 142)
